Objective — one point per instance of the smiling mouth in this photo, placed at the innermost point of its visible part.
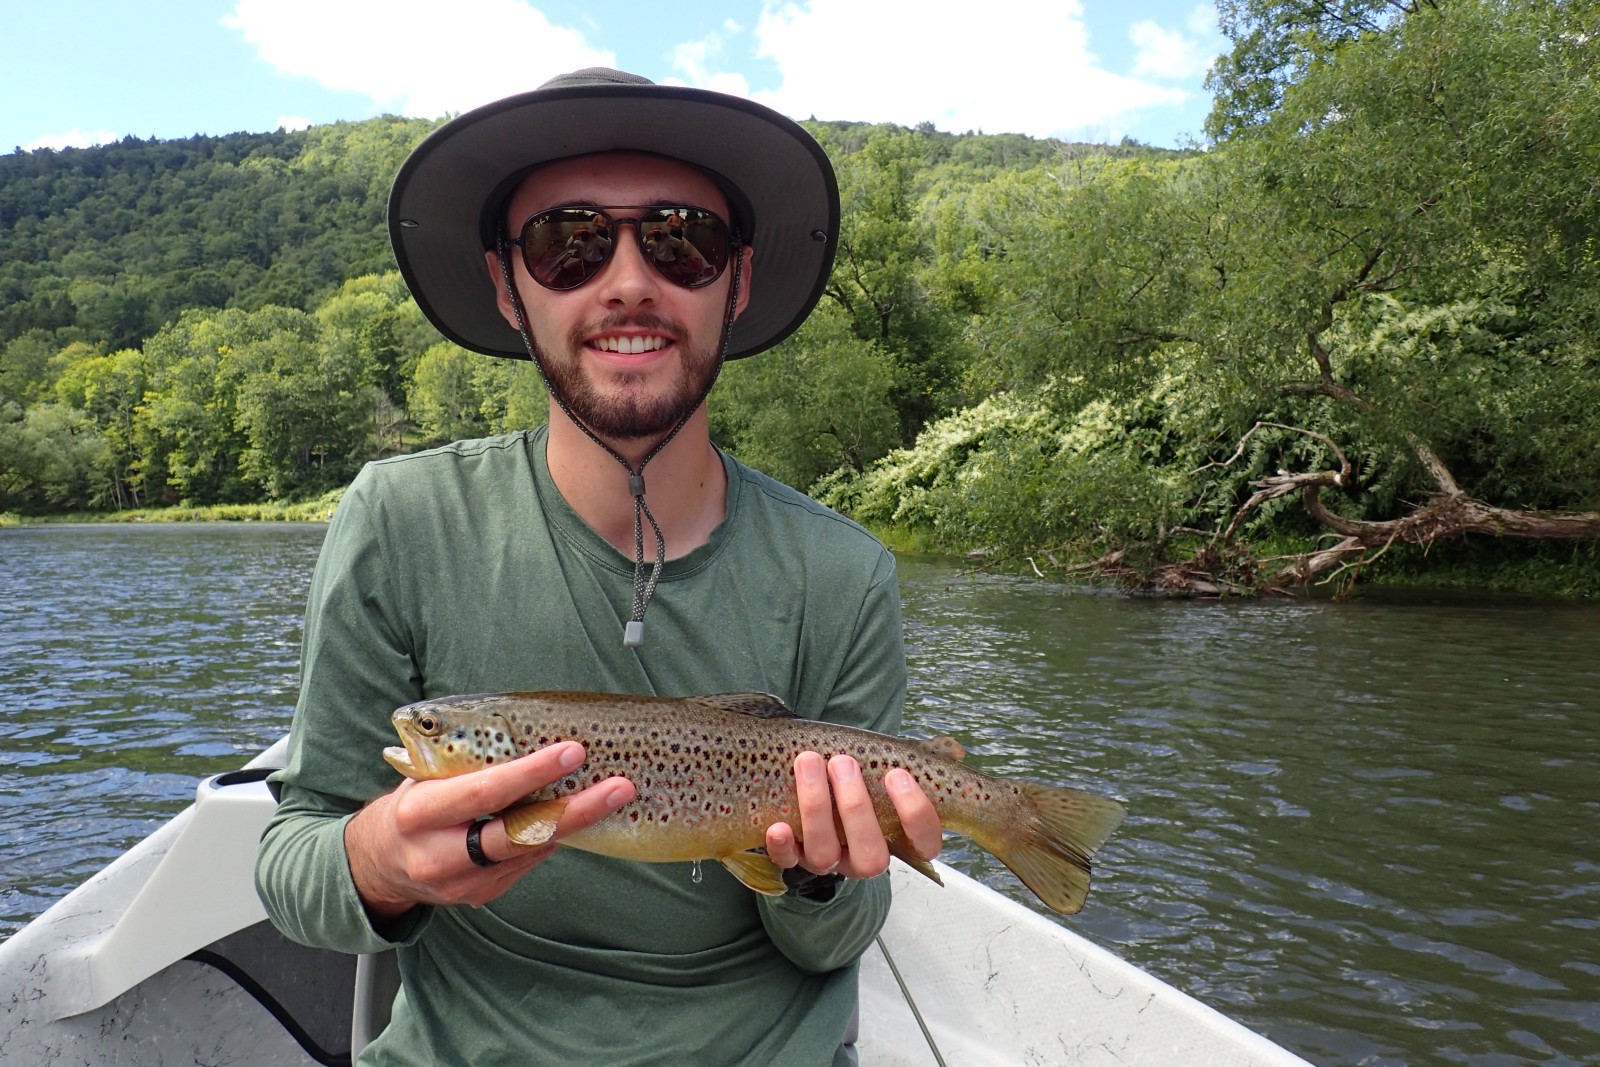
(630, 346)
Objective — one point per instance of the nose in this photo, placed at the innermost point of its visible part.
(628, 279)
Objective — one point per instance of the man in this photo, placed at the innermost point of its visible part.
(521, 563)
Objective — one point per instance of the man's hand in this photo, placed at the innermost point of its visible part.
(409, 847)
(838, 826)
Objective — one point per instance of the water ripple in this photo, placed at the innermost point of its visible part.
(133, 661)
(1352, 826)
(1362, 829)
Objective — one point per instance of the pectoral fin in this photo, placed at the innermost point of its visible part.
(757, 872)
(534, 824)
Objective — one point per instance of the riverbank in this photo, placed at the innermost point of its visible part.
(1568, 570)
(318, 510)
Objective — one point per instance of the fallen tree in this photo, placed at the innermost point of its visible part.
(1225, 565)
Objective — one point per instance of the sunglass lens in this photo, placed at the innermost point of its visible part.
(689, 246)
(563, 248)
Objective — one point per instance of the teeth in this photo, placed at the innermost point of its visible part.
(629, 346)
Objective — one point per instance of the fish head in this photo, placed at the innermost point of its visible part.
(446, 737)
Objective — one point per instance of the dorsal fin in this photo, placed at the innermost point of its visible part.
(758, 705)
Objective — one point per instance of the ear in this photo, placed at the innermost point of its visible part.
(502, 299)
(745, 271)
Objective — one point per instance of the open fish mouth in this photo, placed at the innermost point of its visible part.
(408, 761)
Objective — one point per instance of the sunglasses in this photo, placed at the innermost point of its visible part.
(566, 246)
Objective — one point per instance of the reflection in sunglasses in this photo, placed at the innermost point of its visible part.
(588, 246)
(564, 247)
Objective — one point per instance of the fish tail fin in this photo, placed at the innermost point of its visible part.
(1050, 847)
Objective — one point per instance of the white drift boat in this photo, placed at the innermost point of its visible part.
(166, 958)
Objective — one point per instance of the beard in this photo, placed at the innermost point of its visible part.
(621, 405)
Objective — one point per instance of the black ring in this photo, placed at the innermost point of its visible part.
(475, 845)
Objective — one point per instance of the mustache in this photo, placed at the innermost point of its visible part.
(617, 320)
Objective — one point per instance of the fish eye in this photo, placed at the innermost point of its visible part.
(428, 724)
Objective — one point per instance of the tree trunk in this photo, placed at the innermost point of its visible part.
(1225, 567)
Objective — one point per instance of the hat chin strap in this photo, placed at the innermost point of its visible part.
(643, 587)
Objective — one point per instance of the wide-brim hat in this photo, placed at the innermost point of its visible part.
(780, 186)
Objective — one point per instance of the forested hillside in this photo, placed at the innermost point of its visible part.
(107, 244)
(218, 320)
(1362, 328)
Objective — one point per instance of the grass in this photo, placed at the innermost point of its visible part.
(1568, 569)
(317, 510)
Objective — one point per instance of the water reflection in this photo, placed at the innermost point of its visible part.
(1364, 829)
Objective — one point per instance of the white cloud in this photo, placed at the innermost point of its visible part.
(291, 122)
(1176, 53)
(73, 138)
(1006, 66)
(414, 56)
(695, 62)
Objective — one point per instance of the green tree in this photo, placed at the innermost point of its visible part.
(884, 245)
(511, 394)
(304, 406)
(446, 400)
(1366, 312)
(189, 435)
(50, 457)
(109, 389)
(24, 368)
(819, 402)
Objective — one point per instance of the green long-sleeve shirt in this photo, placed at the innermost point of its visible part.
(463, 570)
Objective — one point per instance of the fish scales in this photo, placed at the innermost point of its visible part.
(712, 773)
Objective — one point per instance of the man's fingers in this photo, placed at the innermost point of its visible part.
(919, 819)
(449, 801)
(823, 849)
(865, 846)
(582, 810)
(782, 848)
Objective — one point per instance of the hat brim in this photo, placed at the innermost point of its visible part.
(437, 204)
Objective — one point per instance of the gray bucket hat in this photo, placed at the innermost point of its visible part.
(780, 186)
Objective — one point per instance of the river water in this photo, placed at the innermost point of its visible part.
(1366, 830)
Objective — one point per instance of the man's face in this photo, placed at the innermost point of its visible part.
(629, 351)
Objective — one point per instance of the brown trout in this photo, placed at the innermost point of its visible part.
(713, 772)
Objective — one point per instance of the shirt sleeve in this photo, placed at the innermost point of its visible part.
(869, 692)
(355, 669)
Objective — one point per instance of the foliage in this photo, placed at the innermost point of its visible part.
(818, 403)
(1389, 255)
(51, 453)
(1367, 259)
(1011, 475)
(107, 244)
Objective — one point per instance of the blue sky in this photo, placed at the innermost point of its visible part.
(86, 71)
